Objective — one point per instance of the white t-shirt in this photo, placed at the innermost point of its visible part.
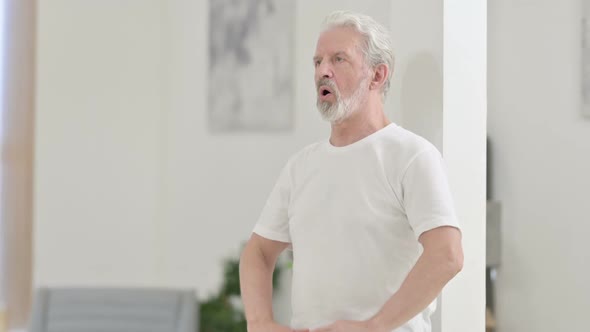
(353, 216)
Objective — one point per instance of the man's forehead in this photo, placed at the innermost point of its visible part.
(338, 39)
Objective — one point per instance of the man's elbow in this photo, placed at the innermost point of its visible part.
(444, 246)
(454, 261)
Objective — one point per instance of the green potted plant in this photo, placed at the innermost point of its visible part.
(223, 311)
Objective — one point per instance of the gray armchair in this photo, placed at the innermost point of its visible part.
(114, 310)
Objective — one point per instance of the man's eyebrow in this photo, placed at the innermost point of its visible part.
(341, 53)
(338, 53)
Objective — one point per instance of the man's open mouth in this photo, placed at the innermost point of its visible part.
(324, 91)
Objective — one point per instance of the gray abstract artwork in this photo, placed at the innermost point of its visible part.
(251, 65)
(586, 59)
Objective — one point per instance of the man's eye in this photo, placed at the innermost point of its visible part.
(316, 63)
(339, 59)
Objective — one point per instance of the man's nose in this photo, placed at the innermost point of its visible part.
(324, 70)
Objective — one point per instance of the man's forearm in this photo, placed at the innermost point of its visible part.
(256, 286)
(422, 285)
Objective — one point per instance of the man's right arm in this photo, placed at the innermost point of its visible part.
(257, 265)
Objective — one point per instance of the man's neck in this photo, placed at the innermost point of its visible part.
(359, 125)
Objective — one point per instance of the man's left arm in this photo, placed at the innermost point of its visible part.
(440, 261)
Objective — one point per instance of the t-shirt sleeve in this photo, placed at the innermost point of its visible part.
(427, 198)
(273, 223)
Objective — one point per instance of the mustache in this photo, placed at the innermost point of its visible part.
(327, 82)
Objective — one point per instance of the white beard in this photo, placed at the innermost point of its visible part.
(343, 108)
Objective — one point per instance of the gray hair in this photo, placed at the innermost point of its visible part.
(377, 48)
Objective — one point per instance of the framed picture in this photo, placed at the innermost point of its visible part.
(251, 65)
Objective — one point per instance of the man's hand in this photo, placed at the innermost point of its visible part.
(350, 326)
(271, 327)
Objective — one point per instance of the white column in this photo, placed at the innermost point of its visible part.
(464, 149)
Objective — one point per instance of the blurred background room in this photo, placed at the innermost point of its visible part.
(141, 138)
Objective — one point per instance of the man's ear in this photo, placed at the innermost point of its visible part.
(380, 74)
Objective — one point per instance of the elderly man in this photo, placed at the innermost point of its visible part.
(368, 212)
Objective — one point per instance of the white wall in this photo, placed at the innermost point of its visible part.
(541, 158)
(98, 136)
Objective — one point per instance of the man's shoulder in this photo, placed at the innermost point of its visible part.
(405, 144)
(304, 153)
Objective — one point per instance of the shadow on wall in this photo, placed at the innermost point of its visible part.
(422, 97)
